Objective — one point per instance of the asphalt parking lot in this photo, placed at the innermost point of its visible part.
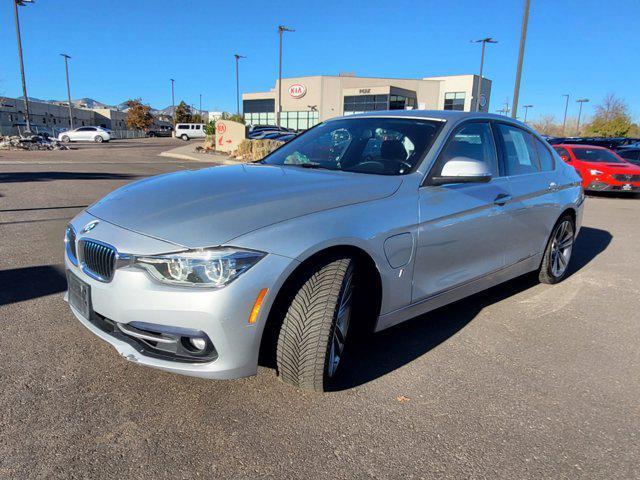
(522, 381)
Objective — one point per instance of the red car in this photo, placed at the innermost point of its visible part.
(601, 169)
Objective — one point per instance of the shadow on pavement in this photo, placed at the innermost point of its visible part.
(14, 177)
(378, 354)
(20, 284)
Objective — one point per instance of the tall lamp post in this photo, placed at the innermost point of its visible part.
(281, 30)
(16, 4)
(238, 57)
(66, 67)
(200, 111)
(173, 103)
(526, 110)
(484, 41)
(580, 101)
(566, 107)
(523, 38)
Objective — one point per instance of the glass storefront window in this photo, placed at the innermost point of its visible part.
(454, 101)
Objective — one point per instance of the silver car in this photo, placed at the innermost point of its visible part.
(360, 223)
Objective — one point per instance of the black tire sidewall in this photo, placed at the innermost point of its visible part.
(546, 274)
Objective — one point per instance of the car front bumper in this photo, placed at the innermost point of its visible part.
(133, 298)
(598, 186)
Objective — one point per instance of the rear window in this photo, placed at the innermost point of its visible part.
(595, 155)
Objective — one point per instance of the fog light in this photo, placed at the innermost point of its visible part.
(198, 343)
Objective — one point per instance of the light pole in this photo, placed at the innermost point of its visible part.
(580, 101)
(566, 106)
(238, 57)
(526, 110)
(173, 103)
(281, 30)
(523, 38)
(484, 41)
(21, 3)
(66, 67)
(200, 112)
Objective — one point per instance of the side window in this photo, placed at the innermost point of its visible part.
(473, 141)
(520, 156)
(544, 156)
(629, 154)
(182, 127)
(198, 127)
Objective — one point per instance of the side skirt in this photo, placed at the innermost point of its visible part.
(456, 293)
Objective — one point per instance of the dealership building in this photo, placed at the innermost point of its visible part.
(307, 101)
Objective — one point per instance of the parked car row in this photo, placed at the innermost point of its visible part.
(611, 143)
(270, 132)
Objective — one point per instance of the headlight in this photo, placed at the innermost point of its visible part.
(595, 172)
(214, 267)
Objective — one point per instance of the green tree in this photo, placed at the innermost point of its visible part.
(183, 113)
(210, 128)
(138, 115)
(236, 118)
(611, 119)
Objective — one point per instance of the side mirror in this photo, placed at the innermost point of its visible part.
(463, 170)
(565, 159)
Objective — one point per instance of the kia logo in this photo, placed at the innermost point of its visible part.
(297, 90)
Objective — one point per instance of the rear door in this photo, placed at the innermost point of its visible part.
(530, 169)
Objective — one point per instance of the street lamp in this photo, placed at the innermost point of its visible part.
(238, 57)
(523, 38)
(66, 67)
(281, 30)
(484, 41)
(16, 4)
(580, 101)
(566, 106)
(173, 103)
(526, 110)
(200, 112)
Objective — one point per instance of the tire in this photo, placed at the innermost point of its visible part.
(317, 318)
(557, 255)
(184, 137)
(65, 139)
(98, 139)
(151, 134)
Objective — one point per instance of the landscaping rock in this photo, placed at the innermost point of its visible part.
(30, 142)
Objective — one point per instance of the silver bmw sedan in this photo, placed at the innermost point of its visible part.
(360, 223)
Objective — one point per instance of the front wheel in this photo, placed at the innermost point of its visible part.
(557, 255)
(65, 139)
(316, 325)
(98, 139)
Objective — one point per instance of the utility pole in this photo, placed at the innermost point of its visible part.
(526, 110)
(566, 106)
(173, 103)
(66, 67)
(484, 41)
(200, 105)
(523, 38)
(281, 30)
(238, 57)
(21, 3)
(580, 101)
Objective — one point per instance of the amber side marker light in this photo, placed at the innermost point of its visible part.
(256, 306)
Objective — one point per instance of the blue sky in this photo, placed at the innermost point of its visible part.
(123, 49)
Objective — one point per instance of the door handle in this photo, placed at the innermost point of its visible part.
(553, 186)
(502, 198)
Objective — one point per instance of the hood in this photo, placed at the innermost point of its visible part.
(208, 207)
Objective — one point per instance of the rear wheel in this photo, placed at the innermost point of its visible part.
(557, 255)
(313, 335)
(98, 139)
(184, 137)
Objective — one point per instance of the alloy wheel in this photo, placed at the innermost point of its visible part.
(341, 327)
(561, 247)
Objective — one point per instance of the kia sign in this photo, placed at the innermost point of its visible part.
(297, 90)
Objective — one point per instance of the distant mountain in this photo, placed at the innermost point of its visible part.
(89, 103)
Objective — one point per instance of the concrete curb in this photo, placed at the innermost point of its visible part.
(180, 154)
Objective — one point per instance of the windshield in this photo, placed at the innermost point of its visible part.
(383, 146)
(596, 155)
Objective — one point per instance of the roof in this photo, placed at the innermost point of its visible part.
(446, 115)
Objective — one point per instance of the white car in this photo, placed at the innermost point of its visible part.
(85, 134)
(187, 131)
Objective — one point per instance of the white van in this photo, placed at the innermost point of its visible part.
(186, 131)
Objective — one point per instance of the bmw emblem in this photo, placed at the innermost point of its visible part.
(90, 226)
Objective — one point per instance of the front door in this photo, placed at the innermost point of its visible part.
(463, 227)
